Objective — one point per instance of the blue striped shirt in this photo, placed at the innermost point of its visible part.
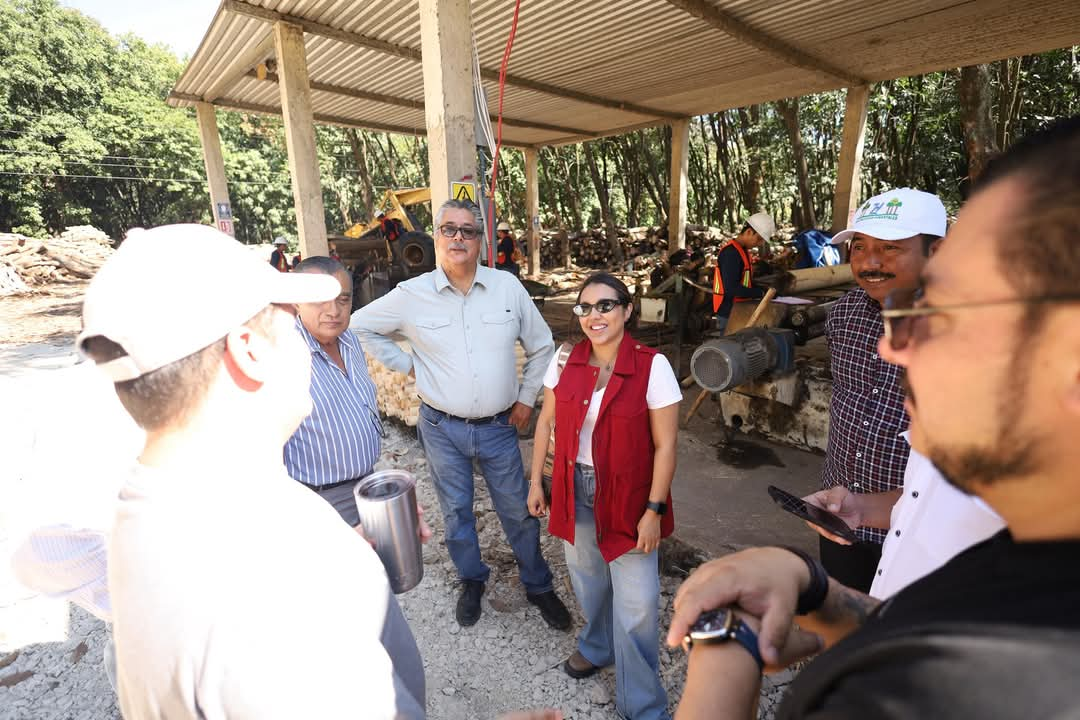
(339, 440)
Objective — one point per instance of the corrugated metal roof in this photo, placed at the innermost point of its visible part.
(666, 58)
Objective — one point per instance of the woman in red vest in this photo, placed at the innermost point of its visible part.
(615, 410)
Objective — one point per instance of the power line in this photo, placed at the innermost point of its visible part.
(135, 179)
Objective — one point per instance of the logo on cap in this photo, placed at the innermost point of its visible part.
(875, 212)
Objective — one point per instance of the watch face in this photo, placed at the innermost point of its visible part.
(711, 624)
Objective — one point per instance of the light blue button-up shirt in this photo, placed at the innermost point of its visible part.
(463, 345)
(340, 439)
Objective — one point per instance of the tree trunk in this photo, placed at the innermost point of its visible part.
(600, 184)
(789, 110)
(979, 136)
(752, 188)
(359, 151)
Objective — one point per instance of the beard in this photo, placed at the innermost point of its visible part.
(1016, 449)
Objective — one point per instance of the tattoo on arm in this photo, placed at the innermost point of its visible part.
(849, 606)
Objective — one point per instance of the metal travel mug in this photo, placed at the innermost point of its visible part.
(386, 501)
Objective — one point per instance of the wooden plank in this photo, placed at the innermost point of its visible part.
(680, 159)
(849, 166)
(215, 165)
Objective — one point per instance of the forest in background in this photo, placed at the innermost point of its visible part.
(87, 138)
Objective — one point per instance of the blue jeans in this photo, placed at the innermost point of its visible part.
(621, 604)
(451, 446)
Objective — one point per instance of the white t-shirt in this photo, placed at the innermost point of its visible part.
(239, 593)
(663, 390)
(930, 524)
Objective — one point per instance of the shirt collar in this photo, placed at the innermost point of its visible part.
(442, 282)
(313, 344)
(871, 304)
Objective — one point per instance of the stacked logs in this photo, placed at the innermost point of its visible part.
(396, 392)
(590, 248)
(29, 264)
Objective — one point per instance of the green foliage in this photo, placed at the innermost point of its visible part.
(87, 137)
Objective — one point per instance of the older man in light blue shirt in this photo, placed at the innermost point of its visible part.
(463, 322)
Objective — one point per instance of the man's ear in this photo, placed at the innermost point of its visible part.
(246, 353)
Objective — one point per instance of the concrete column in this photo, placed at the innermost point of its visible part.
(300, 138)
(848, 170)
(215, 167)
(532, 208)
(680, 164)
(446, 44)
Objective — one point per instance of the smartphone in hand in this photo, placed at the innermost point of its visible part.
(812, 514)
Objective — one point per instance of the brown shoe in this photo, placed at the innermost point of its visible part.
(577, 667)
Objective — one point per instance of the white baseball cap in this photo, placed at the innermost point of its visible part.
(504, 226)
(763, 224)
(897, 214)
(160, 311)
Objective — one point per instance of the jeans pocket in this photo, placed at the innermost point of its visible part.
(584, 485)
(431, 416)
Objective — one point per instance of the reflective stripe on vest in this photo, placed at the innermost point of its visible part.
(718, 283)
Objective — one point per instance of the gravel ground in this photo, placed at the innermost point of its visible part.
(509, 660)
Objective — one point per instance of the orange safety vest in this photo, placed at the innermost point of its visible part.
(282, 264)
(718, 283)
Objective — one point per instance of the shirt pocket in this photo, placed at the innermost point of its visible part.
(501, 323)
(432, 322)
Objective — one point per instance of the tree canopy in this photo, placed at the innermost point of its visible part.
(87, 138)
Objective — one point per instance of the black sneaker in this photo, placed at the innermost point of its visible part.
(468, 604)
(552, 609)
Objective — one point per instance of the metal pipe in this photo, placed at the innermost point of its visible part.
(811, 314)
(805, 333)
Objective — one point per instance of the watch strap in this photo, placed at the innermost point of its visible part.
(813, 597)
(657, 507)
(740, 632)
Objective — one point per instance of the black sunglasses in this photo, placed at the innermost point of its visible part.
(902, 309)
(468, 232)
(603, 307)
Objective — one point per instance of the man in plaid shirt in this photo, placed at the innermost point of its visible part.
(890, 240)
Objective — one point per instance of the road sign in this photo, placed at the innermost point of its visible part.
(463, 191)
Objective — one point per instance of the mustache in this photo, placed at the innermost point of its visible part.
(875, 274)
(458, 246)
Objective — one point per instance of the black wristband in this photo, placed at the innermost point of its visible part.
(814, 596)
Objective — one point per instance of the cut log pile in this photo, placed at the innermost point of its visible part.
(396, 392)
(590, 248)
(29, 264)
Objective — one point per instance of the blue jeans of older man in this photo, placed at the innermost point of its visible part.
(621, 604)
(451, 447)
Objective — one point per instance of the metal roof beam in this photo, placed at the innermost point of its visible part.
(232, 104)
(243, 8)
(238, 69)
(418, 105)
(744, 33)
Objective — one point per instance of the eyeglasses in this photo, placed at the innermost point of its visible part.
(903, 309)
(603, 307)
(449, 230)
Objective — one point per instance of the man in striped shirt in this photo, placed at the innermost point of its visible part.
(339, 442)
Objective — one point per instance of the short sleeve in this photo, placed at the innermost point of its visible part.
(551, 375)
(664, 387)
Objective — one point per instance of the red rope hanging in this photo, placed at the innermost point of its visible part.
(498, 132)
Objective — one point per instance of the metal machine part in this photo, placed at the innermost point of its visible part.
(728, 362)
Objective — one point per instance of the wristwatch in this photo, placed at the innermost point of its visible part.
(657, 507)
(719, 626)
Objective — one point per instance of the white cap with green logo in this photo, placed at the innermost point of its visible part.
(897, 214)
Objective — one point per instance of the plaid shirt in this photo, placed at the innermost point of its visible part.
(866, 416)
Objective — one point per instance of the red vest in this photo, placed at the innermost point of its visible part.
(718, 284)
(622, 447)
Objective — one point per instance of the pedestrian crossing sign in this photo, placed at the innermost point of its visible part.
(463, 191)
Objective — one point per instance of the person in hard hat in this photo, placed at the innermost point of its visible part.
(733, 276)
(278, 259)
(506, 249)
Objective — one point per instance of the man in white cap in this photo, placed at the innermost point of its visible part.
(890, 239)
(733, 276)
(211, 570)
(506, 249)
